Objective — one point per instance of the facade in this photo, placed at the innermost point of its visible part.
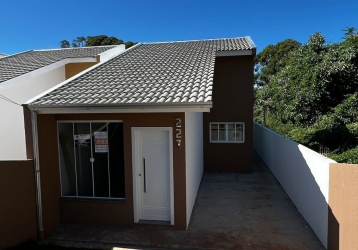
(126, 142)
(28, 74)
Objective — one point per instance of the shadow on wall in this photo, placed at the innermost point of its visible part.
(343, 207)
(303, 173)
(333, 231)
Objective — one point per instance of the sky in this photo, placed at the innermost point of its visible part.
(42, 24)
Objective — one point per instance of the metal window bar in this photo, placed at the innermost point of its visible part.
(75, 159)
(74, 152)
(94, 194)
(109, 172)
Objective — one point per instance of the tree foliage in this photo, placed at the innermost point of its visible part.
(272, 59)
(64, 44)
(100, 40)
(312, 97)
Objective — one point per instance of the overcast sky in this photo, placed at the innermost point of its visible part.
(42, 24)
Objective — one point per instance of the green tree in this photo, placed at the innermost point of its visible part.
(313, 97)
(64, 44)
(317, 78)
(80, 41)
(272, 59)
(100, 40)
(129, 44)
(349, 32)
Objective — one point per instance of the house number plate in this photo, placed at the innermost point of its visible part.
(178, 131)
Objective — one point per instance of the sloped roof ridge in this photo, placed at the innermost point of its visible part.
(200, 40)
(99, 65)
(248, 38)
(85, 47)
(162, 72)
(20, 53)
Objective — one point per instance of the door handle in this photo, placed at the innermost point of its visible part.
(145, 184)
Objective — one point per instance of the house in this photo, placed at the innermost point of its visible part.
(28, 74)
(126, 142)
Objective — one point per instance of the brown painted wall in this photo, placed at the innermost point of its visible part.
(57, 209)
(232, 102)
(75, 68)
(50, 177)
(18, 208)
(343, 207)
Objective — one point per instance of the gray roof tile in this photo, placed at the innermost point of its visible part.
(174, 72)
(22, 63)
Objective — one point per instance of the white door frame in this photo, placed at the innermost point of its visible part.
(136, 163)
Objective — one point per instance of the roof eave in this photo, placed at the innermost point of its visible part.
(122, 108)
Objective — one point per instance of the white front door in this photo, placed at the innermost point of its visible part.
(153, 174)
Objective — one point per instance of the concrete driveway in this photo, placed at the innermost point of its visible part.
(232, 211)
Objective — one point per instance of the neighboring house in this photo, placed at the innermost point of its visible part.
(2, 55)
(127, 141)
(27, 74)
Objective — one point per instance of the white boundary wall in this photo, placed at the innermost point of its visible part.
(12, 129)
(302, 172)
(194, 155)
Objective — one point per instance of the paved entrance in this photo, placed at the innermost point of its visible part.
(232, 211)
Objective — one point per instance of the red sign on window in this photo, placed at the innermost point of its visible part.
(100, 142)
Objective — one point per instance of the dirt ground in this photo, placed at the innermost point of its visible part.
(232, 211)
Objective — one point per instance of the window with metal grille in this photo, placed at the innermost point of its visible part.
(227, 132)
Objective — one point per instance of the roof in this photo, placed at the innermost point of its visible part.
(2, 55)
(149, 73)
(25, 62)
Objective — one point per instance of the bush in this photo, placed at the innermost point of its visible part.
(349, 156)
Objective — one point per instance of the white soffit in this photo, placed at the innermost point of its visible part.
(143, 109)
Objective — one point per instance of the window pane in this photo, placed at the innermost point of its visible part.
(82, 139)
(116, 159)
(231, 132)
(239, 132)
(222, 132)
(214, 132)
(100, 155)
(67, 159)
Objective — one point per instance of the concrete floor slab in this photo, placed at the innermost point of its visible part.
(232, 211)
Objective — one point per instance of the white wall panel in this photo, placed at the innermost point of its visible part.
(302, 172)
(194, 158)
(12, 131)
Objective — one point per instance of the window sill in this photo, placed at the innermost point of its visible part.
(97, 199)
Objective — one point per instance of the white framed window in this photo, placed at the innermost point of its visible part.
(227, 132)
(91, 159)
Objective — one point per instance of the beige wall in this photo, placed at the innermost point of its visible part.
(120, 213)
(75, 68)
(343, 207)
(18, 208)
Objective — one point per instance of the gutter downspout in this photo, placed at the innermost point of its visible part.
(40, 228)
